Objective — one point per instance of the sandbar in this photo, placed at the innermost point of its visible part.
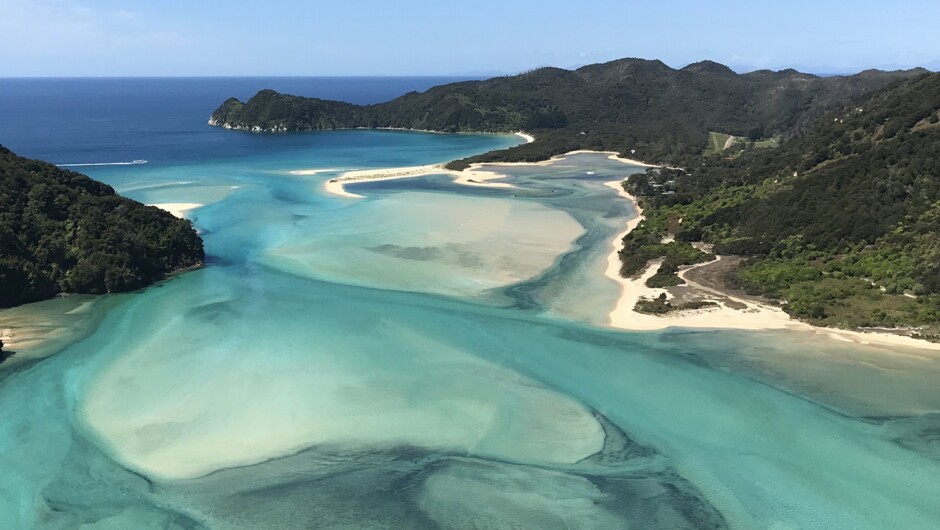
(473, 176)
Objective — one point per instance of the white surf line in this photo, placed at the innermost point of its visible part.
(312, 171)
(133, 163)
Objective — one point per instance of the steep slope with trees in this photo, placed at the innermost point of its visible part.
(842, 221)
(61, 231)
(633, 106)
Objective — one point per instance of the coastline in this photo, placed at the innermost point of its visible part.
(755, 316)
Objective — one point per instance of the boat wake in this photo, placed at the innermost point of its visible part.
(132, 163)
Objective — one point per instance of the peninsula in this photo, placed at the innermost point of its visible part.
(62, 232)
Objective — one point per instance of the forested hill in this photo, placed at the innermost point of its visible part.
(842, 220)
(61, 231)
(624, 105)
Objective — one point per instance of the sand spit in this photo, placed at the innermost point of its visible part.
(473, 176)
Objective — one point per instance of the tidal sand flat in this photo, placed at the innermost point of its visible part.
(311, 380)
(428, 242)
(443, 386)
(34, 331)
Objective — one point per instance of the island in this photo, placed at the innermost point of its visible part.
(63, 232)
(817, 195)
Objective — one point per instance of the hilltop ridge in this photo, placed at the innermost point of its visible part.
(632, 106)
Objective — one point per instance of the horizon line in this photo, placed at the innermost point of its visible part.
(738, 69)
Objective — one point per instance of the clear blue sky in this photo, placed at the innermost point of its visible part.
(427, 37)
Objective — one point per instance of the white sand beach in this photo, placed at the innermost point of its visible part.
(179, 209)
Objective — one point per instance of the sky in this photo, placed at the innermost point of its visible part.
(449, 37)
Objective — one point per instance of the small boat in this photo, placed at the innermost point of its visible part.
(138, 162)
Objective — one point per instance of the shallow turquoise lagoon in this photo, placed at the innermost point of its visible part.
(434, 356)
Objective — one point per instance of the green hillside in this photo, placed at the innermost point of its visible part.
(61, 231)
(633, 106)
(842, 221)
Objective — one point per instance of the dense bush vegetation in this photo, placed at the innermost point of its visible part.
(61, 231)
(650, 241)
(842, 220)
(661, 305)
(636, 107)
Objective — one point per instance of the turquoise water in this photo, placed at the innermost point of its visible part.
(435, 356)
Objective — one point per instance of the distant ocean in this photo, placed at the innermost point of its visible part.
(107, 120)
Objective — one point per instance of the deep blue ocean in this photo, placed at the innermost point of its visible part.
(95, 120)
(426, 355)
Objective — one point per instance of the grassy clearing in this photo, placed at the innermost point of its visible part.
(716, 142)
(767, 143)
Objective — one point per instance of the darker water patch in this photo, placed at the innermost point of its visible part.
(410, 253)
